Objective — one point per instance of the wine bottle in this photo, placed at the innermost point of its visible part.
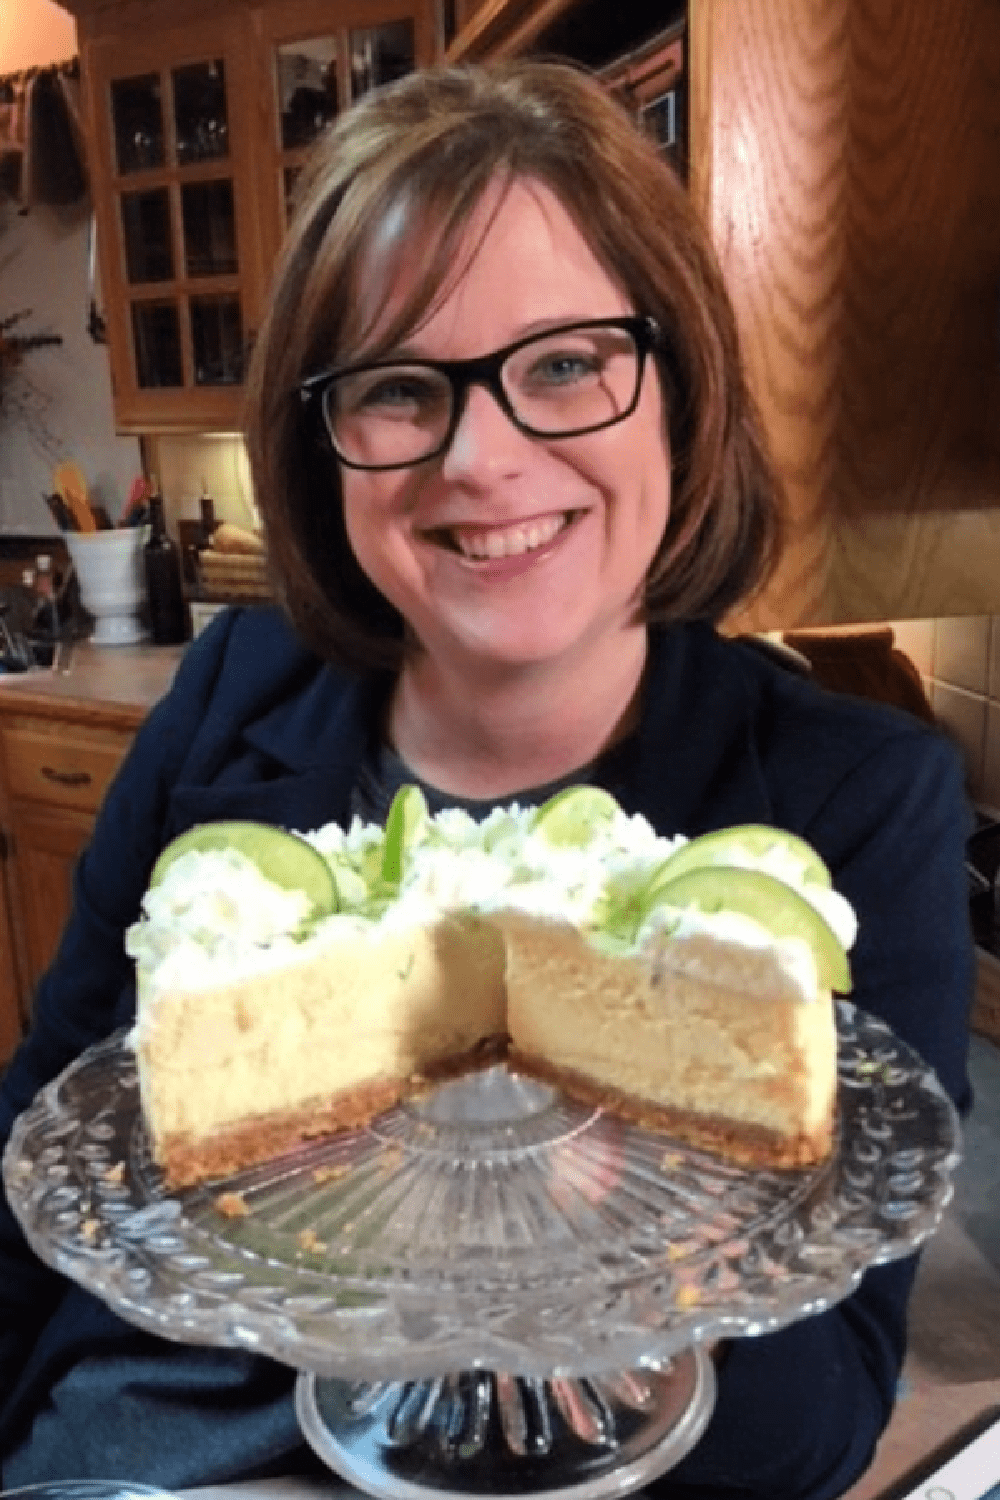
(168, 614)
(206, 506)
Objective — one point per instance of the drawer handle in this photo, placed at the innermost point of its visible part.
(67, 778)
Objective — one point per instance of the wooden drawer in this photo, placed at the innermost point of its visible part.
(65, 765)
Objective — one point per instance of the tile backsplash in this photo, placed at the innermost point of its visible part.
(183, 465)
(959, 661)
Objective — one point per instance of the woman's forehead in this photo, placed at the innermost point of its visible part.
(415, 262)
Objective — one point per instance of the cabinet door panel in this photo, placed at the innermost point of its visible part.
(47, 842)
(314, 60)
(846, 157)
(137, 119)
(178, 234)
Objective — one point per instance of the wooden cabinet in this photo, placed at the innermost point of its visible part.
(199, 120)
(846, 156)
(62, 740)
(172, 120)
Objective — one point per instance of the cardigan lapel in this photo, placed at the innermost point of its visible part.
(298, 761)
(697, 766)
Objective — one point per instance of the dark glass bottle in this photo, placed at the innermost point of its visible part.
(208, 522)
(168, 614)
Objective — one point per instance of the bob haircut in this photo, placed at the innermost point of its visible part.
(407, 167)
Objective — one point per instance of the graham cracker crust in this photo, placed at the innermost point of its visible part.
(744, 1144)
(188, 1161)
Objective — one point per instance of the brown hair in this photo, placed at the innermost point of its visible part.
(410, 164)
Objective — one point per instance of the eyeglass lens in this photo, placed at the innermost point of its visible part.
(561, 383)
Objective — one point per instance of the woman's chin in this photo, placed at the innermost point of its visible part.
(529, 648)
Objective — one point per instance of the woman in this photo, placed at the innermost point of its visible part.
(510, 476)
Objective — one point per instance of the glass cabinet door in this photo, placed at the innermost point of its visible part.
(317, 69)
(176, 180)
(201, 128)
(179, 232)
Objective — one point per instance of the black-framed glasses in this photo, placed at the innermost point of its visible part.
(392, 414)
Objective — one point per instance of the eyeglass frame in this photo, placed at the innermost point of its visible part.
(484, 370)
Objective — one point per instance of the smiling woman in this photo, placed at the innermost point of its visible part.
(524, 409)
(510, 477)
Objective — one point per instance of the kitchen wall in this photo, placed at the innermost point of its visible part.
(57, 404)
(959, 660)
(184, 466)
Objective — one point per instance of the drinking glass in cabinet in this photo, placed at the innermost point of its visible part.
(146, 235)
(201, 120)
(137, 123)
(156, 339)
(307, 89)
(208, 213)
(380, 54)
(217, 340)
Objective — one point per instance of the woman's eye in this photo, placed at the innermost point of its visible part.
(399, 390)
(394, 393)
(563, 368)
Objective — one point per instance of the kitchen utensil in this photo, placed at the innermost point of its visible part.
(135, 505)
(60, 512)
(68, 482)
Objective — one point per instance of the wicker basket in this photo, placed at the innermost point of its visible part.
(233, 577)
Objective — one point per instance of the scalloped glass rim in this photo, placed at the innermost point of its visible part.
(494, 1225)
(88, 1489)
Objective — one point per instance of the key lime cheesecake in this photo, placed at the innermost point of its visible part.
(292, 984)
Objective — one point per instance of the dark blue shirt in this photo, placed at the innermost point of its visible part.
(256, 727)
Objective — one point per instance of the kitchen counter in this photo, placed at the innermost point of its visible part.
(93, 679)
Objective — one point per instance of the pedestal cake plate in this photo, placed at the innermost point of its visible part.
(491, 1289)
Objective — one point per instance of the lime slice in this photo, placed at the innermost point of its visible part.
(281, 857)
(772, 903)
(732, 846)
(572, 817)
(408, 815)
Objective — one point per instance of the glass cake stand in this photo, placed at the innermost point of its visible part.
(492, 1288)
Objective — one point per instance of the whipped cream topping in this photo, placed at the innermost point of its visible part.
(215, 917)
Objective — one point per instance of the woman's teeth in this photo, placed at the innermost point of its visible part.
(506, 541)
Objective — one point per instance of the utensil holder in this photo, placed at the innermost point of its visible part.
(112, 584)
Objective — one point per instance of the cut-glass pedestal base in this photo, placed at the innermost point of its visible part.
(481, 1433)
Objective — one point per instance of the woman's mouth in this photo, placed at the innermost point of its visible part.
(491, 543)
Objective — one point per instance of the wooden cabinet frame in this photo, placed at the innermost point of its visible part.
(121, 38)
(141, 410)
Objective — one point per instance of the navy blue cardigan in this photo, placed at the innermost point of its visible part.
(256, 727)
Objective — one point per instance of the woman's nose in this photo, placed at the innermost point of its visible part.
(485, 442)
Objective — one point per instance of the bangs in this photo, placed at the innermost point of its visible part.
(381, 269)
